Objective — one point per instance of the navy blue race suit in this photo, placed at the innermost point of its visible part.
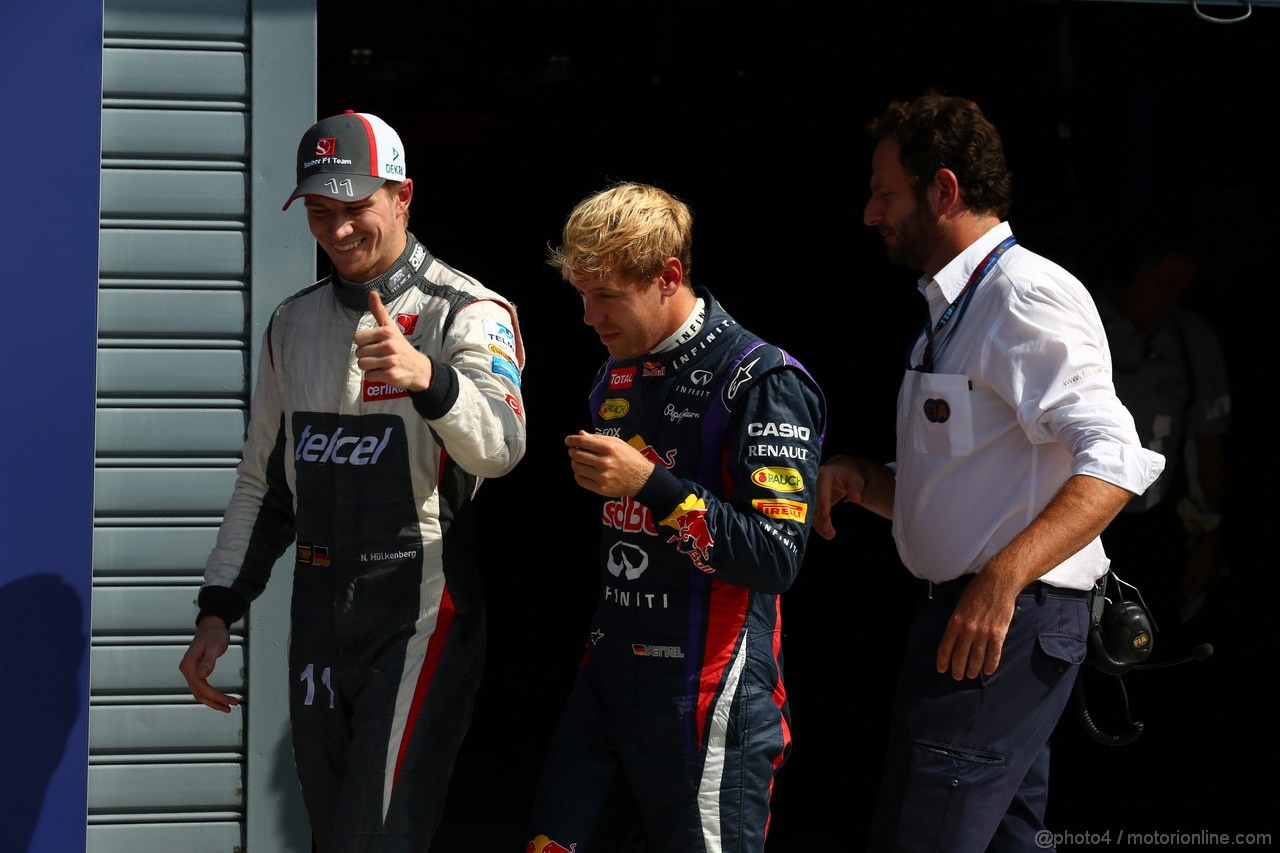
(681, 688)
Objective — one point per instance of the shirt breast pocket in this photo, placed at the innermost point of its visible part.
(942, 420)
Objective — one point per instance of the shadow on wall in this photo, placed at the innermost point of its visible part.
(45, 693)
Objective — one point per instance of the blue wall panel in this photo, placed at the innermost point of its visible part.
(50, 218)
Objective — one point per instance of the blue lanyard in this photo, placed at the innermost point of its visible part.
(958, 305)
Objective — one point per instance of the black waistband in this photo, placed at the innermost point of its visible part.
(1039, 589)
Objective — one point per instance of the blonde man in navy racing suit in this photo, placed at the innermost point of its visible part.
(385, 393)
(704, 447)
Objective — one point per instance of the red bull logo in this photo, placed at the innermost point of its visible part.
(543, 844)
(647, 451)
(693, 535)
(629, 515)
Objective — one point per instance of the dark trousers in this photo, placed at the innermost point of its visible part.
(967, 766)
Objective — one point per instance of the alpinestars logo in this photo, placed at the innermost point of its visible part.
(743, 374)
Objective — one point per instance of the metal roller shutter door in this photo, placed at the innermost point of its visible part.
(183, 299)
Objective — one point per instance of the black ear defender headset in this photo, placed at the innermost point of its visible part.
(1121, 638)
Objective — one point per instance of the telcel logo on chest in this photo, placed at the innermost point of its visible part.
(340, 449)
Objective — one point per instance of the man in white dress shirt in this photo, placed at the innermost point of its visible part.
(1013, 454)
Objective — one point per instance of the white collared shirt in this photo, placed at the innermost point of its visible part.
(1019, 400)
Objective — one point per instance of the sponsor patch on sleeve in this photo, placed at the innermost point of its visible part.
(499, 333)
(502, 367)
(778, 479)
(782, 508)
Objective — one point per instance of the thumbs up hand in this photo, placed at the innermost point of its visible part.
(378, 310)
(385, 355)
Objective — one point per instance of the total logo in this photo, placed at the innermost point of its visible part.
(340, 449)
(778, 479)
(621, 378)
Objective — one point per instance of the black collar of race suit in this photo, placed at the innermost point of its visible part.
(396, 280)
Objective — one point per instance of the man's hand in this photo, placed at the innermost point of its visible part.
(385, 355)
(606, 465)
(857, 480)
(210, 643)
(975, 633)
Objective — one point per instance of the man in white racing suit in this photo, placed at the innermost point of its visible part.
(386, 392)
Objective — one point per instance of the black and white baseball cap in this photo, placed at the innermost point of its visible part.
(347, 157)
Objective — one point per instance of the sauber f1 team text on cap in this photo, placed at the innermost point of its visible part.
(347, 157)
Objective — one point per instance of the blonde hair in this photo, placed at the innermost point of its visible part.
(628, 229)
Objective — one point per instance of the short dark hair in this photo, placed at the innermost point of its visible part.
(938, 131)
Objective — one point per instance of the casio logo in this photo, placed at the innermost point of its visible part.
(780, 430)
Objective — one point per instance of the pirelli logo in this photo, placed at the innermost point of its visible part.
(782, 508)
